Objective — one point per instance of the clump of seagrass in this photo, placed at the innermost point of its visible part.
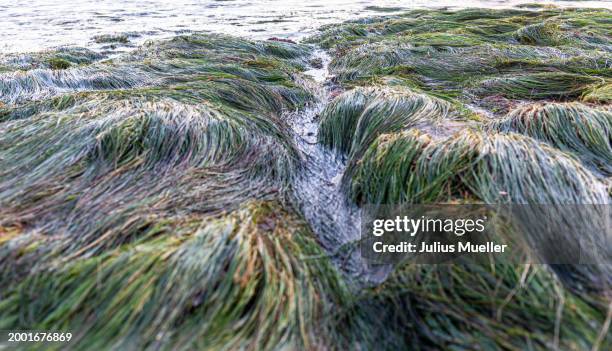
(22, 86)
(239, 281)
(545, 33)
(60, 58)
(58, 63)
(518, 169)
(105, 167)
(361, 61)
(111, 38)
(164, 187)
(519, 54)
(409, 167)
(509, 307)
(538, 86)
(354, 119)
(141, 199)
(177, 60)
(572, 127)
(495, 168)
(507, 55)
(599, 94)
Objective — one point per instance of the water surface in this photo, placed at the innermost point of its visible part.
(40, 24)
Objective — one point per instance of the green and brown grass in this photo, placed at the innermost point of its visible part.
(145, 201)
(529, 88)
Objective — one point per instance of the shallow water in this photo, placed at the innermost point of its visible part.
(317, 188)
(40, 24)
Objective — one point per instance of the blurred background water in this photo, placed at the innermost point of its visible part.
(32, 25)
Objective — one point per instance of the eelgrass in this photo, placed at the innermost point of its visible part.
(411, 167)
(545, 33)
(506, 55)
(149, 206)
(480, 306)
(538, 86)
(60, 58)
(354, 119)
(406, 167)
(573, 127)
(518, 54)
(178, 60)
(600, 94)
(142, 199)
(241, 281)
(101, 167)
(220, 281)
(17, 87)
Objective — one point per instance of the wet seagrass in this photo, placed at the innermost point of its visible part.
(146, 201)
